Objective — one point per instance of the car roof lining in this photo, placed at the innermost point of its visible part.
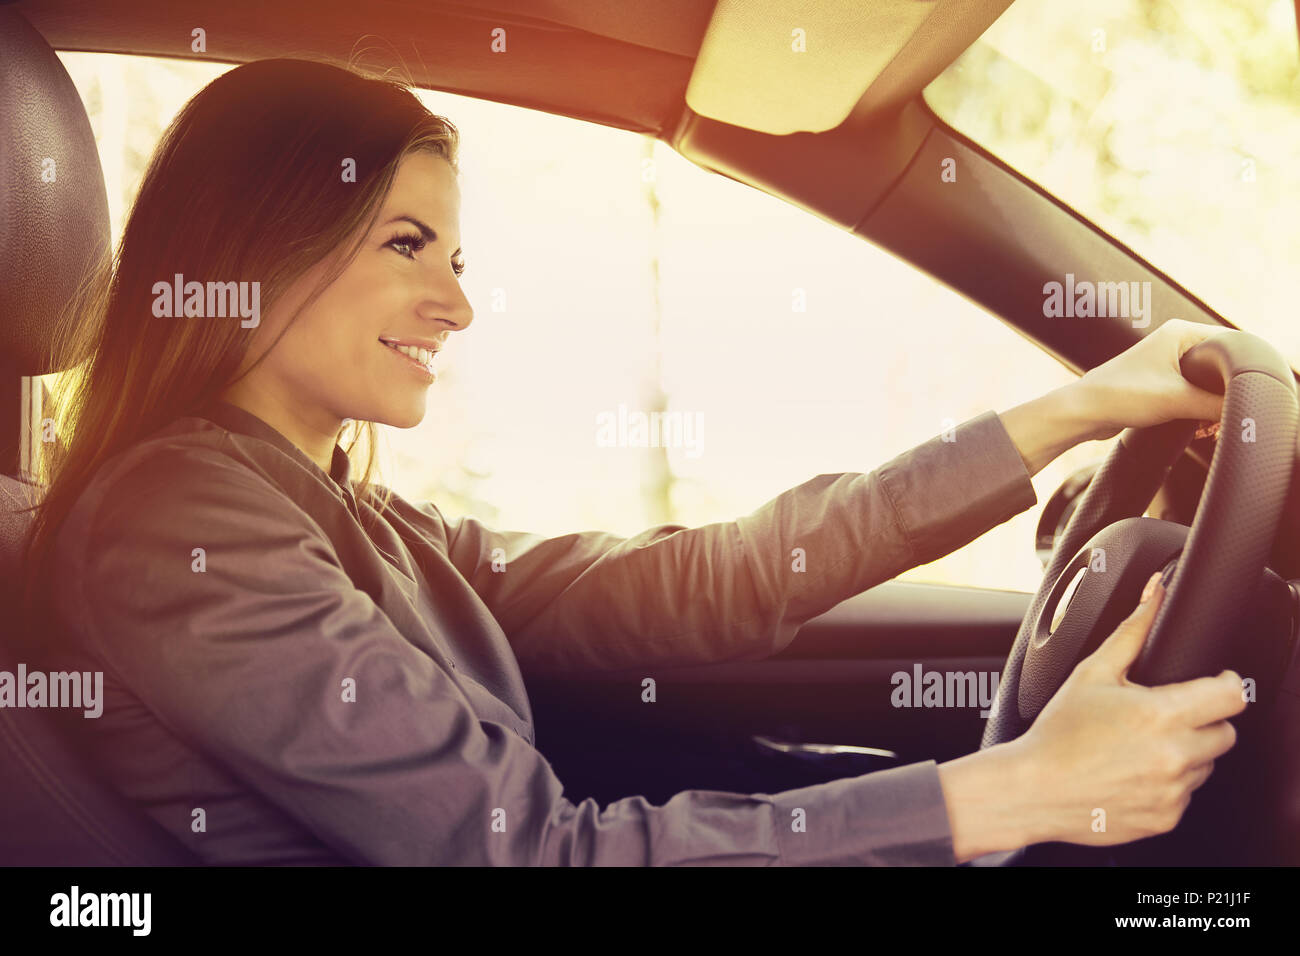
(630, 63)
(669, 26)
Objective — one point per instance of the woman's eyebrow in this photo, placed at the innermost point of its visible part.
(429, 234)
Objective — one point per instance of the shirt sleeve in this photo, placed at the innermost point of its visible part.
(738, 590)
(260, 652)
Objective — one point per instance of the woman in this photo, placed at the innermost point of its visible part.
(302, 670)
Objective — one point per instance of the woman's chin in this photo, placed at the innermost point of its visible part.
(406, 415)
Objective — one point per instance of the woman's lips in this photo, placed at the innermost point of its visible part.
(422, 360)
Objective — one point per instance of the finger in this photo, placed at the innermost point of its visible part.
(1191, 334)
(1200, 403)
(1118, 651)
(1210, 743)
(1204, 700)
(1196, 777)
(1197, 403)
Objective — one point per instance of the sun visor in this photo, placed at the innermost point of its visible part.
(781, 67)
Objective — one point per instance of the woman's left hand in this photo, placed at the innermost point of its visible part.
(1143, 385)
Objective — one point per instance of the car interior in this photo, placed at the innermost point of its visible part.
(856, 146)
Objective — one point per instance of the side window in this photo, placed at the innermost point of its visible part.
(612, 280)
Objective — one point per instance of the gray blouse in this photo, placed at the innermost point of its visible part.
(291, 677)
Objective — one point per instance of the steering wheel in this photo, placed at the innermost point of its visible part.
(1108, 551)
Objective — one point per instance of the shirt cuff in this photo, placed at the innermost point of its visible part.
(948, 493)
(894, 817)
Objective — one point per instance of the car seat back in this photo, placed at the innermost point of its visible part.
(54, 226)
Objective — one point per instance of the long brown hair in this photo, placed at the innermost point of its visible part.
(247, 184)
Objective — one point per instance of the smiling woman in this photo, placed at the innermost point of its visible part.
(363, 347)
(300, 670)
(304, 231)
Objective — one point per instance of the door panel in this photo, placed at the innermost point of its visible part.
(834, 684)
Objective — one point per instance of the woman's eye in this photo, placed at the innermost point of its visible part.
(407, 245)
(415, 241)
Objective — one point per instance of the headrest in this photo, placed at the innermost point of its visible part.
(54, 221)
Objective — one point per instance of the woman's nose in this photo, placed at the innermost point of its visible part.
(462, 315)
(452, 309)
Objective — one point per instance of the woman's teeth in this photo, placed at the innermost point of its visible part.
(423, 356)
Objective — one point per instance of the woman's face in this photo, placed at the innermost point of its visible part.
(403, 288)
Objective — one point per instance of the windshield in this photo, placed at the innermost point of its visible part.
(1174, 127)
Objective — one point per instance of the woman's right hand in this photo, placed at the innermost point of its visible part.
(1117, 761)
(1106, 761)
